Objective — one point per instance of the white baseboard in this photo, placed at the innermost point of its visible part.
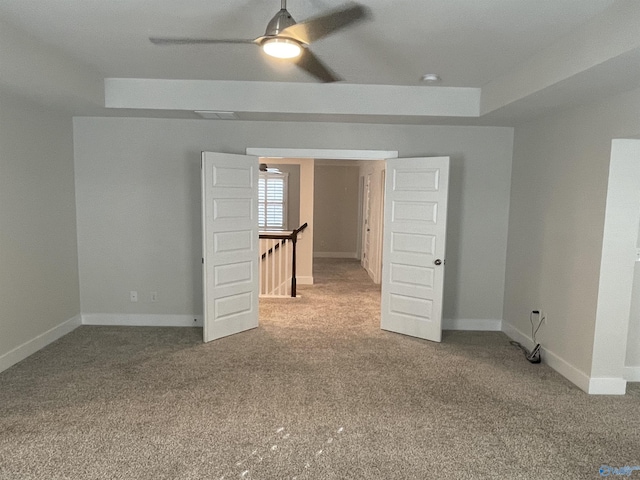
(568, 371)
(32, 346)
(304, 280)
(607, 386)
(559, 364)
(591, 385)
(478, 324)
(353, 255)
(632, 374)
(141, 320)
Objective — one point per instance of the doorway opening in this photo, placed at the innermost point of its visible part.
(349, 212)
(413, 231)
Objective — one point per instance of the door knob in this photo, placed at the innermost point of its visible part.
(438, 261)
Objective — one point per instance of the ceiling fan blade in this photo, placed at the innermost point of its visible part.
(312, 64)
(316, 28)
(195, 41)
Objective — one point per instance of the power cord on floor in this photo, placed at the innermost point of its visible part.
(532, 356)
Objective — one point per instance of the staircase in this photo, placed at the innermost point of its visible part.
(278, 263)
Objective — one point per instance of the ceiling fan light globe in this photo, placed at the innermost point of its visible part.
(282, 48)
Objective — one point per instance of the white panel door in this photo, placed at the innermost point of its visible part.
(230, 243)
(415, 224)
(366, 244)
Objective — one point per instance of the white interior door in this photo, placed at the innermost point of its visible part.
(366, 234)
(415, 224)
(230, 243)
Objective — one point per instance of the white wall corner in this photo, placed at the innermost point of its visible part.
(141, 320)
(615, 289)
(632, 374)
(556, 362)
(304, 280)
(32, 346)
(607, 386)
(477, 324)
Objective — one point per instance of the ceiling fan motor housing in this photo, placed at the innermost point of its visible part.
(279, 22)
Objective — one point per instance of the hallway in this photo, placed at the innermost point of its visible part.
(330, 304)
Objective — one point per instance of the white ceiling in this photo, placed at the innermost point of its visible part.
(469, 43)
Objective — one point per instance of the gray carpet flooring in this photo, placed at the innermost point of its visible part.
(318, 391)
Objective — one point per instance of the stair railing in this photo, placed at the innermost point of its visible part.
(278, 260)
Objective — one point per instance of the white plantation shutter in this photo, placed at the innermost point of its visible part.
(272, 195)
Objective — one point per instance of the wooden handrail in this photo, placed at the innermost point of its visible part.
(301, 228)
(276, 235)
(286, 235)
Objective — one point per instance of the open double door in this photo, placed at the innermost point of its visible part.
(415, 217)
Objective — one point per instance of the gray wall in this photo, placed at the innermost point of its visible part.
(138, 203)
(335, 213)
(559, 187)
(38, 255)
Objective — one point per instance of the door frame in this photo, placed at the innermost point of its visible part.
(328, 154)
(322, 153)
(609, 374)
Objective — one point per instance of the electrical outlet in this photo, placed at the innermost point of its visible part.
(133, 296)
(538, 317)
(154, 296)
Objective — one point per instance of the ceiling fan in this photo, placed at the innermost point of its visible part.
(287, 39)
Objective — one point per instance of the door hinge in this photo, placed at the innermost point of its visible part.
(203, 261)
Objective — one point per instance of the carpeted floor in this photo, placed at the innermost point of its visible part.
(318, 391)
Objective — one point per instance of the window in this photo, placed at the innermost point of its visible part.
(272, 201)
